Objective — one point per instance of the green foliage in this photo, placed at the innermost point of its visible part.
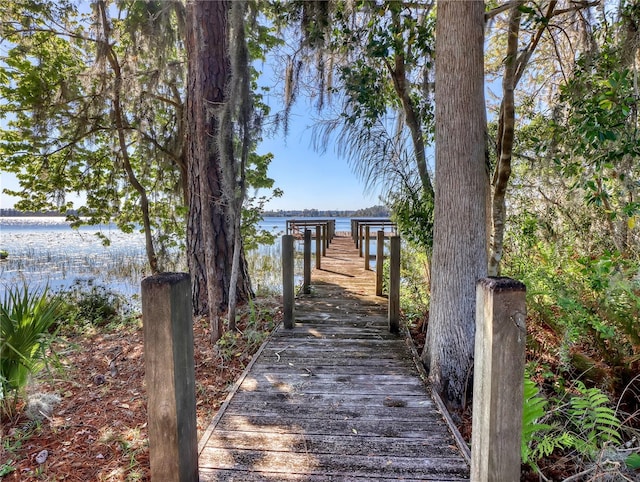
(414, 283)
(594, 140)
(257, 178)
(227, 345)
(590, 300)
(392, 34)
(26, 317)
(534, 432)
(413, 212)
(58, 101)
(585, 424)
(91, 305)
(592, 422)
(257, 323)
(59, 88)
(633, 461)
(6, 468)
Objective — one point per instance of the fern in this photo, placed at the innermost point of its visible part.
(534, 409)
(550, 442)
(594, 423)
(587, 424)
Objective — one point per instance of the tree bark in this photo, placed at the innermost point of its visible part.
(506, 126)
(209, 242)
(459, 248)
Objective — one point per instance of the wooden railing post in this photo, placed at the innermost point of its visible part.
(324, 236)
(360, 239)
(306, 286)
(318, 245)
(394, 284)
(327, 230)
(170, 377)
(498, 379)
(288, 295)
(379, 262)
(367, 247)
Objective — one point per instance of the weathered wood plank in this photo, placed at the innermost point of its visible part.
(312, 386)
(337, 399)
(437, 444)
(286, 353)
(345, 427)
(316, 367)
(362, 376)
(339, 412)
(330, 464)
(230, 475)
(330, 331)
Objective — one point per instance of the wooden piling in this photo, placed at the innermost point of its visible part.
(379, 262)
(325, 234)
(318, 245)
(394, 284)
(367, 247)
(306, 283)
(498, 379)
(170, 377)
(288, 295)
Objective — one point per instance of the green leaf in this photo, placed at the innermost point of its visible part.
(633, 461)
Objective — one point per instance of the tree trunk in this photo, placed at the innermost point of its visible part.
(459, 248)
(399, 77)
(209, 242)
(506, 126)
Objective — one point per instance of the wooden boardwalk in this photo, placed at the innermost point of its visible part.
(336, 398)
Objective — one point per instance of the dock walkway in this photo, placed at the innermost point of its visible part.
(337, 398)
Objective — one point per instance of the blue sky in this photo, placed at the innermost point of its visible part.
(310, 179)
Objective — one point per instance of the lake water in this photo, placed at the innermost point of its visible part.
(45, 251)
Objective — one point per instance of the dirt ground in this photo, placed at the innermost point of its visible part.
(98, 430)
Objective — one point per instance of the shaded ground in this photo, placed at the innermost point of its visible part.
(98, 431)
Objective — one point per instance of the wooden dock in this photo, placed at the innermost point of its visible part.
(336, 398)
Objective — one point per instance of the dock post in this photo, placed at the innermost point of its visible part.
(288, 297)
(379, 262)
(498, 380)
(360, 239)
(367, 247)
(354, 236)
(318, 245)
(324, 236)
(170, 377)
(306, 287)
(394, 284)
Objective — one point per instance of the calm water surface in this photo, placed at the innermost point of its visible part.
(45, 251)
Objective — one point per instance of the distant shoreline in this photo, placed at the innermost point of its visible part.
(374, 211)
(14, 213)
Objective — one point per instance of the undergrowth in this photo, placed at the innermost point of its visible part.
(582, 391)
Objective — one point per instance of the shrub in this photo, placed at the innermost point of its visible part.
(92, 305)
